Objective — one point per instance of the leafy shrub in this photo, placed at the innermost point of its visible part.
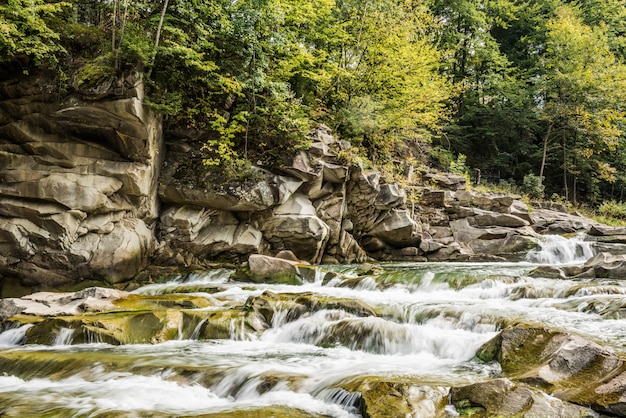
(533, 186)
(459, 167)
(613, 209)
(508, 186)
(93, 73)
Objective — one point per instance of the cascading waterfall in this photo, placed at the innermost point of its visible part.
(556, 249)
(195, 334)
(308, 348)
(64, 336)
(13, 336)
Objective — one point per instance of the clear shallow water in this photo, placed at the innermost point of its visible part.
(430, 319)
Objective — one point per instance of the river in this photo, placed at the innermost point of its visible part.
(430, 318)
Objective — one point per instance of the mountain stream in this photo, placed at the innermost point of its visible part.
(412, 322)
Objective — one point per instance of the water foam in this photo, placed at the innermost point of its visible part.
(555, 249)
(14, 336)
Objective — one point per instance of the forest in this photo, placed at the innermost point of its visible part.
(528, 92)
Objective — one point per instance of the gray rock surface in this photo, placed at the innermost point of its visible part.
(91, 188)
(77, 185)
(562, 365)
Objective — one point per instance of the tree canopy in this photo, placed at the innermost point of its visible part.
(515, 87)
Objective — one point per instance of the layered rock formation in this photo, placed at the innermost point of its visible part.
(89, 191)
(77, 182)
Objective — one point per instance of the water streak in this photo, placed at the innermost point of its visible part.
(64, 336)
(195, 334)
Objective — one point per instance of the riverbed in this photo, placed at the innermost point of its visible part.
(422, 324)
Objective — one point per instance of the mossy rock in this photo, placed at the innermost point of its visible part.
(94, 77)
(373, 335)
(390, 397)
(268, 303)
(229, 324)
(518, 349)
(314, 302)
(563, 365)
(168, 301)
(264, 412)
(131, 327)
(504, 398)
(265, 269)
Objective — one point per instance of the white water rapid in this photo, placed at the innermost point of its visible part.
(558, 250)
(407, 322)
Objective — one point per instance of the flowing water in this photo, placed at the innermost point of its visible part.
(417, 323)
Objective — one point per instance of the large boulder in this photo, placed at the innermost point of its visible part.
(294, 225)
(502, 397)
(209, 234)
(553, 222)
(265, 269)
(500, 219)
(602, 265)
(118, 255)
(563, 365)
(397, 229)
(605, 265)
(608, 239)
(390, 196)
(386, 398)
(447, 181)
(493, 240)
(268, 191)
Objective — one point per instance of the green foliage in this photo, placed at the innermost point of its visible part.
(82, 41)
(458, 166)
(24, 32)
(533, 186)
(388, 90)
(513, 86)
(613, 209)
(95, 72)
(583, 98)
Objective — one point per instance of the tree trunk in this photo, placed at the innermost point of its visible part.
(545, 149)
(575, 171)
(158, 37)
(116, 61)
(113, 34)
(565, 188)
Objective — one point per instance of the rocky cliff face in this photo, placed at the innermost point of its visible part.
(77, 184)
(88, 190)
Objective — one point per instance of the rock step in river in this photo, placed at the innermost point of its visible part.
(391, 340)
